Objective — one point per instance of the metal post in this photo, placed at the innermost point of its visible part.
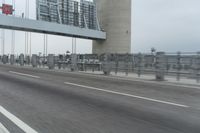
(30, 47)
(3, 37)
(2, 42)
(26, 33)
(13, 32)
(132, 63)
(46, 45)
(127, 64)
(116, 64)
(140, 64)
(160, 66)
(198, 67)
(178, 65)
(44, 48)
(25, 44)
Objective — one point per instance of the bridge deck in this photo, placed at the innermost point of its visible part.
(16, 23)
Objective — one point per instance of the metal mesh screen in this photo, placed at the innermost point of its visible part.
(69, 12)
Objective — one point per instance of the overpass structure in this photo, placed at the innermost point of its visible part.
(16, 23)
(107, 23)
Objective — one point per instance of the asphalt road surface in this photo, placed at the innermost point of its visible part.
(43, 101)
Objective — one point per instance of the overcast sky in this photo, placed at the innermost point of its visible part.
(167, 25)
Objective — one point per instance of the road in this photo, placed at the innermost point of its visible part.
(44, 101)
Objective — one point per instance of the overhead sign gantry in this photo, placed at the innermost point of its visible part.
(58, 17)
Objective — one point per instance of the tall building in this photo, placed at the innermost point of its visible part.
(115, 19)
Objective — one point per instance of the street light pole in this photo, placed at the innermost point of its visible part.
(13, 32)
(3, 37)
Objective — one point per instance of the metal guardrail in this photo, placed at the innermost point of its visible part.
(160, 64)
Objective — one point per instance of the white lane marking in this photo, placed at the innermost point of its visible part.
(24, 74)
(3, 129)
(17, 121)
(128, 95)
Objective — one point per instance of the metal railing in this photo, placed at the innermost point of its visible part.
(178, 65)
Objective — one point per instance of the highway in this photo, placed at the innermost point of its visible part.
(44, 101)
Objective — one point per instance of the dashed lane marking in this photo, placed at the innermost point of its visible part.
(128, 95)
(24, 74)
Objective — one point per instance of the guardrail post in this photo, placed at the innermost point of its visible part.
(160, 66)
(178, 67)
(198, 67)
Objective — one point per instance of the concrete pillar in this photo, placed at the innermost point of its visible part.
(73, 62)
(21, 59)
(12, 59)
(106, 65)
(28, 60)
(34, 60)
(50, 61)
(5, 59)
(115, 19)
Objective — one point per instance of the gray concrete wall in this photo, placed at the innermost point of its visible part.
(115, 18)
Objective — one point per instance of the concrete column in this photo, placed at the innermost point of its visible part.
(34, 60)
(5, 59)
(28, 60)
(50, 61)
(21, 59)
(115, 19)
(106, 65)
(74, 62)
(12, 59)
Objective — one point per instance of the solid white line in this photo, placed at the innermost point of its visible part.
(128, 95)
(3, 129)
(17, 121)
(23, 74)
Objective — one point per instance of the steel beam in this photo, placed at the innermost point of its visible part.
(16, 23)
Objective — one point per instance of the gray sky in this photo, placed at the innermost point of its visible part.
(167, 25)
